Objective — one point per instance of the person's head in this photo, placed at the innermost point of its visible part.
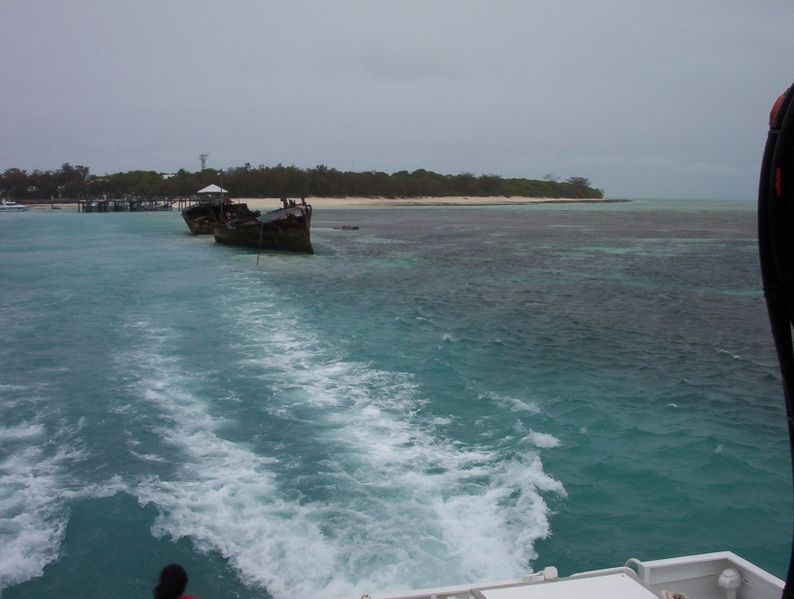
(172, 583)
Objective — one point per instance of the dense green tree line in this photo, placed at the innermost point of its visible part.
(72, 182)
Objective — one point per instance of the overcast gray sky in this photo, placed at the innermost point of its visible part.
(646, 98)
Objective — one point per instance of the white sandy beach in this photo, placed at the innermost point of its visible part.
(369, 202)
(270, 203)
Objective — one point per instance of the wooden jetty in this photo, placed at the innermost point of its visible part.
(128, 204)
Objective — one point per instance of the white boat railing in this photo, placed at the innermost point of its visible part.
(721, 575)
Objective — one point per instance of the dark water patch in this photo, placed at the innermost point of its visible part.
(109, 549)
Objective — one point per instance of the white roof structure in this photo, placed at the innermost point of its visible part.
(212, 189)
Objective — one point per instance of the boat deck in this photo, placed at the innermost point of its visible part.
(718, 575)
(620, 584)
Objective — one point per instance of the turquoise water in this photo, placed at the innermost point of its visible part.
(444, 395)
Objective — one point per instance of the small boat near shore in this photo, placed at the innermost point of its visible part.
(8, 206)
(286, 229)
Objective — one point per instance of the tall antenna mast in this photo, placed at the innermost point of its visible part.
(203, 157)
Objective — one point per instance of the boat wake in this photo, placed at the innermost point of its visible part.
(342, 485)
(38, 456)
(32, 512)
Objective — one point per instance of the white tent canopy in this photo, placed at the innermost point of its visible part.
(212, 189)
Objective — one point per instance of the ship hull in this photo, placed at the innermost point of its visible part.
(202, 218)
(287, 229)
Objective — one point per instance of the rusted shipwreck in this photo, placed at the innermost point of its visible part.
(214, 206)
(285, 229)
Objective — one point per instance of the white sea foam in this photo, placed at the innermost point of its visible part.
(20, 432)
(225, 498)
(515, 404)
(730, 353)
(410, 507)
(133, 444)
(148, 457)
(543, 440)
(37, 484)
(32, 513)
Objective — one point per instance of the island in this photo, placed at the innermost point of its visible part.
(419, 187)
